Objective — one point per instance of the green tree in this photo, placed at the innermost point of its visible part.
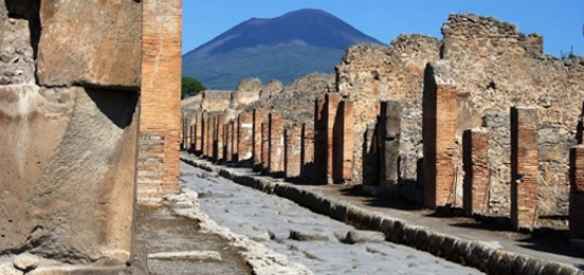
(191, 87)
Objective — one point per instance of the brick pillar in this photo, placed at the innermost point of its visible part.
(214, 137)
(184, 141)
(524, 167)
(220, 156)
(577, 192)
(265, 145)
(307, 154)
(229, 142)
(210, 139)
(320, 148)
(389, 142)
(293, 152)
(343, 143)
(477, 175)
(199, 133)
(191, 138)
(245, 136)
(235, 139)
(440, 111)
(276, 144)
(205, 133)
(330, 119)
(258, 118)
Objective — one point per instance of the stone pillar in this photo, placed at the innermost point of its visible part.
(389, 142)
(292, 153)
(220, 156)
(343, 143)
(320, 148)
(245, 136)
(276, 144)
(307, 154)
(258, 118)
(160, 96)
(266, 145)
(332, 102)
(191, 138)
(213, 154)
(477, 174)
(229, 141)
(440, 112)
(209, 137)
(577, 192)
(524, 167)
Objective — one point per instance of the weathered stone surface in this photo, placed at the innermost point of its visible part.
(266, 144)
(78, 184)
(271, 89)
(331, 117)
(343, 170)
(258, 119)
(17, 64)
(247, 92)
(307, 154)
(100, 55)
(524, 167)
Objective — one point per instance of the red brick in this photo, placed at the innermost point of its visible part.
(440, 145)
(332, 102)
(276, 144)
(524, 167)
(476, 171)
(258, 118)
(293, 152)
(265, 145)
(245, 136)
(229, 141)
(343, 143)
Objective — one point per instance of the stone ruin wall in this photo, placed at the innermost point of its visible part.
(69, 129)
(160, 117)
(494, 67)
(491, 66)
(371, 73)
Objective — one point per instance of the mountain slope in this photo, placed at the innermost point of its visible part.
(282, 48)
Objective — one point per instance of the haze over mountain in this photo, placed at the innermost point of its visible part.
(284, 48)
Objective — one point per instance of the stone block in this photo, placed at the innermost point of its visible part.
(476, 171)
(293, 152)
(389, 141)
(276, 144)
(524, 167)
(100, 24)
(245, 136)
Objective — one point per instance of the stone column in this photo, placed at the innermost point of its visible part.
(229, 141)
(245, 136)
(204, 132)
(307, 154)
(343, 143)
(389, 141)
(440, 112)
(265, 145)
(477, 174)
(220, 138)
(577, 192)
(320, 148)
(276, 144)
(258, 118)
(191, 138)
(524, 167)
(199, 134)
(293, 152)
(330, 119)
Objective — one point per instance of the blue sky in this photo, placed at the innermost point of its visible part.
(559, 21)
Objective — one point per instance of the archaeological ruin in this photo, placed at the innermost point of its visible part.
(478, 127)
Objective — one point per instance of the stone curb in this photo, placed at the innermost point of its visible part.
(474, 254)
